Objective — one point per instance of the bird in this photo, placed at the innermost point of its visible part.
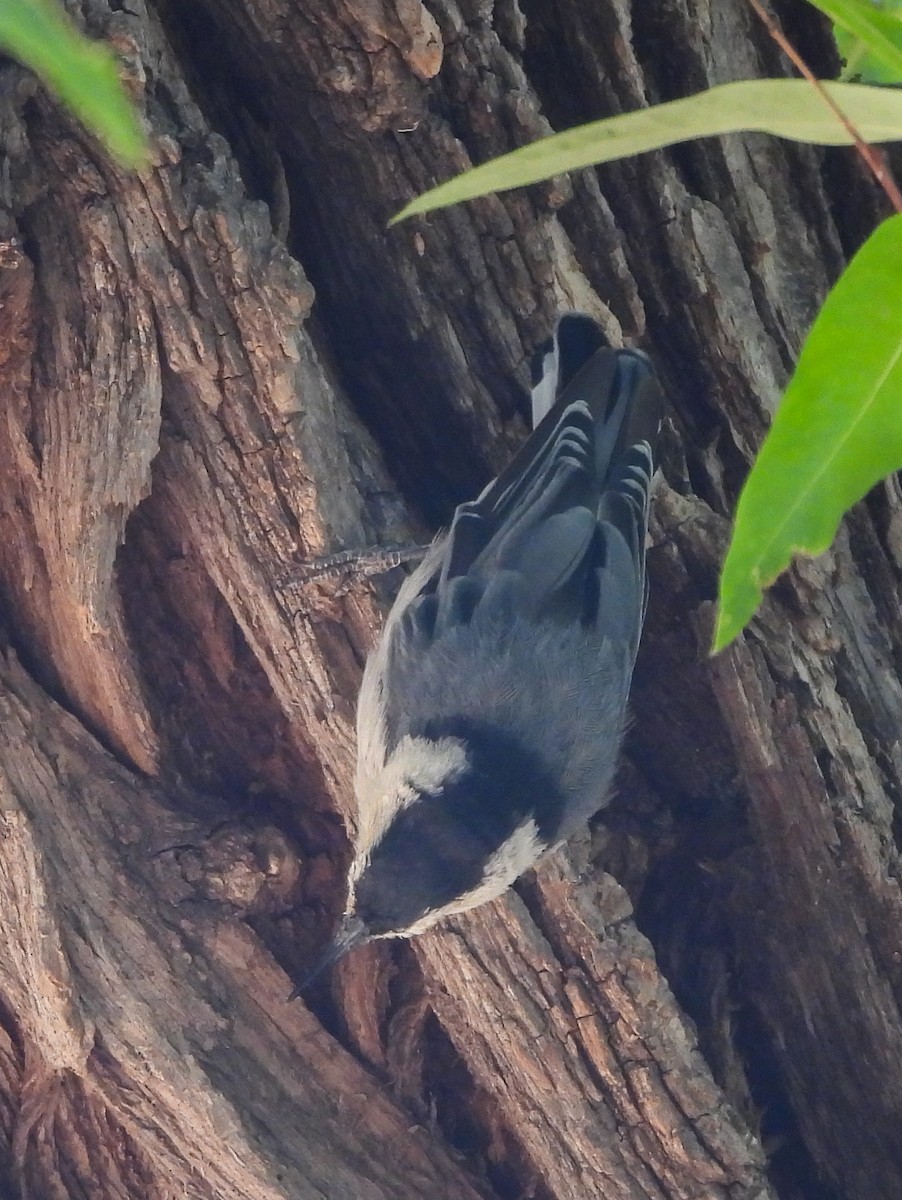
(492, 709)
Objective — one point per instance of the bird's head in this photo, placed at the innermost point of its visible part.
(447, 830)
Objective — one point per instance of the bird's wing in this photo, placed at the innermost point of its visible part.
(569, 514)
(558, 537)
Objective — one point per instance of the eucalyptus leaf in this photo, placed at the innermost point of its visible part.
(837, 432)
(789, 108)
(82, 73)
(869, 37)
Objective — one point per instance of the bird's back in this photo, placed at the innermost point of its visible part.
(522, 625)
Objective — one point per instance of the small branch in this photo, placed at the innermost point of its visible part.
(874, 159)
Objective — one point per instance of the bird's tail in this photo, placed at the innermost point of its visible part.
(619, 387)
(574, 342)
(577, 368)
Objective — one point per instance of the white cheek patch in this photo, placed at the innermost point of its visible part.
(429, 765)
(508, 863)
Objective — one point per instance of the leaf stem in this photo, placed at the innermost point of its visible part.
(874, 159)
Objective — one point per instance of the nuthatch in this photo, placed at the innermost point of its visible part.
(492, 710)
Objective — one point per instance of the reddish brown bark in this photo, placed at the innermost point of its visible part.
(226, 365)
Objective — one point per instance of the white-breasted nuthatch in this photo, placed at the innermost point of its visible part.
(492, 710)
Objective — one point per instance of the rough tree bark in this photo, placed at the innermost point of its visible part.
(227, 364)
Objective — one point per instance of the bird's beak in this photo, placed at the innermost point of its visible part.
(352, 932)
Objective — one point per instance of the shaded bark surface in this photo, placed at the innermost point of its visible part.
(226, 365)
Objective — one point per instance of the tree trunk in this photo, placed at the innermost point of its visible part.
(228, 364)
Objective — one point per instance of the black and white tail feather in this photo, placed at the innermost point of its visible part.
(492, 710)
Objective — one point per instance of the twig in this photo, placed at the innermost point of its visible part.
(873, 158)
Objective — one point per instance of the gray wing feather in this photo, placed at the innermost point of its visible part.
(535, 599)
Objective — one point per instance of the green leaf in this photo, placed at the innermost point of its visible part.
(789, 108)
(83, 74)
(869, 37)
(838, 431)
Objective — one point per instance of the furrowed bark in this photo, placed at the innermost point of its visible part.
(228, 365)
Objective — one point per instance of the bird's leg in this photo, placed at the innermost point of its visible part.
(359, 563)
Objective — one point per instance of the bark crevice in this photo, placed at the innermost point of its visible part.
(227, 365)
